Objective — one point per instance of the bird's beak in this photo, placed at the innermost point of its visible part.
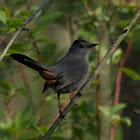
(93, 45)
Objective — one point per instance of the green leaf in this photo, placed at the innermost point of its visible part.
(20, 91)
(6, 124)
(122, 23)
(19, 46)
(117, 56)
(127, 121)
(105, 111)
(95, 82)
(131, 73)
(14, 22)
(49, 98)
(10, 51)
(118, 108)
(25, 13)
(99, 13)
(3, 17)
(42, 129)
(5, 85)
(116, 118)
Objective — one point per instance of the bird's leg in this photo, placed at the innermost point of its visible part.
(45, 87)
(61, 114)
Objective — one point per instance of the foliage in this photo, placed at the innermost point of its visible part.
(112, 116)
(95, 21)
(131, 73)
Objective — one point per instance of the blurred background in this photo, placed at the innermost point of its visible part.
(25, 114)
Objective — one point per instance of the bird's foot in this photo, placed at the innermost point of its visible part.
(62, 115)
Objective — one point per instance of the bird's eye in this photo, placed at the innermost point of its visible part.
(81, 46)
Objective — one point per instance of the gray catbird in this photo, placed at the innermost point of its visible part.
(69, 74)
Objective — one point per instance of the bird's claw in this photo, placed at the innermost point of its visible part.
(62, 115)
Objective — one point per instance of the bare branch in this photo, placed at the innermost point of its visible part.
(93, 75)
(21, 28)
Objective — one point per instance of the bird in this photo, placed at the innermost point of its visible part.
(69, 74)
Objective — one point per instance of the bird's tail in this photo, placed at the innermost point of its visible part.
(29, 62)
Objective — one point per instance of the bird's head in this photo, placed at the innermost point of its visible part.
(81, 47)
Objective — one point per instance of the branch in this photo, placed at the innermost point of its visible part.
(21, 28)
(93, 76)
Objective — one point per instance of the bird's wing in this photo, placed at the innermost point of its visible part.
(48, 76)
(70, 74)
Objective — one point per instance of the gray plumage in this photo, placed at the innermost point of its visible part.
(73, 69)
(69, 74)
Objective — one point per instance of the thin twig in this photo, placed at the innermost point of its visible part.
(21, 28)
(93, 76)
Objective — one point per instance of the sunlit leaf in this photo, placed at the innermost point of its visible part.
(115, 118)
(116, 57)
(131, 73)
(105, 110)
(10, 51)
(49, 98)
(127, 121)
(6, 125)
(118, 108)
(99, 13)
(3, 17)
